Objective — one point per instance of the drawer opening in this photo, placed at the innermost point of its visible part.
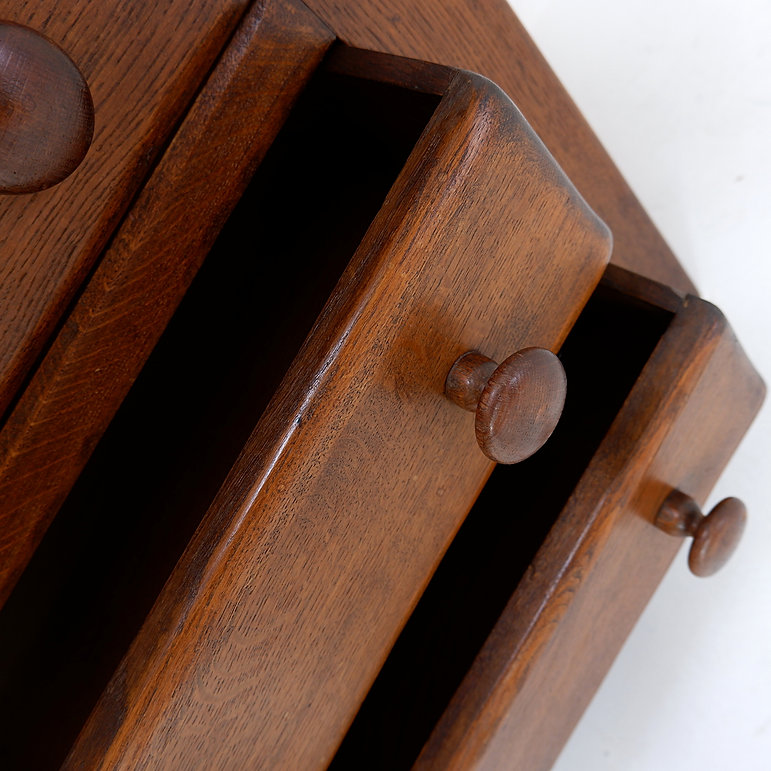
(603, 357)
(168, 450)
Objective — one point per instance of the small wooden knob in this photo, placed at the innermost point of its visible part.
(46, 112)
(517, 403)
(715, 537)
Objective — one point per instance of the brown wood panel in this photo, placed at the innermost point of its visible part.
(143, 62)
(283, 607)
(486, 37)
(604, 557)
(144, 273)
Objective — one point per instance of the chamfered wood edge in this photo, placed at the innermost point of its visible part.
(146, 269)
(104, 737)
(440, 80)
(152, 659)
(573, 560)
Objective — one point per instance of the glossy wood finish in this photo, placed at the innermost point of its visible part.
(715, 536)
(517, 403)
(46, 112)
(143, 275)
(486, 37)
(576, 603)
(499, 540)
(143, 63)
(283, 607)
(360, 471)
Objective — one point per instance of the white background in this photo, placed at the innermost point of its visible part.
(679, 93)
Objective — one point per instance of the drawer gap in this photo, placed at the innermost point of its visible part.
(169, 448)
(603, 356)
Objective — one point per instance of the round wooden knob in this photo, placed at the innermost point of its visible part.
(715, 537)
(46, 112)
(517, 403)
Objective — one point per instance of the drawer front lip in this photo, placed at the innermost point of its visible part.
(81, 381)
(360, 471)
(603, 558)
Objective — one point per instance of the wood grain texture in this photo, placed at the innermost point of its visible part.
(486, 37)
(143, 63)
(604, 557)
(520, 406)
(279, 614)
(517, 403)
(150, 263)
(46, 112)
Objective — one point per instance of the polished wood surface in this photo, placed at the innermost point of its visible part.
(280, 613)
(576, 603)
(153, 257)
(360, 471)
(517, 403)
(143, 63)
(715, 536)
(47, 115)
(486, 37)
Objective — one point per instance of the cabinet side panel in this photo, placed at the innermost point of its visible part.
(486, 37)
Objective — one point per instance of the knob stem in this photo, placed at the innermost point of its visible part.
(468, 378)
(679, 515)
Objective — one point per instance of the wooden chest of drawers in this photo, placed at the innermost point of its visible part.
(249, 463)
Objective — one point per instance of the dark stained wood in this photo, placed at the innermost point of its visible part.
(500, 537)
(277, 619)
(520, 405)
(360, 471)
(517, 403)
(486, 37)
(46, 112)
(143, 63)
(397, 70)
(603, 558)
(153, 257)
(649, 293)
(715, 536)
(467, 379)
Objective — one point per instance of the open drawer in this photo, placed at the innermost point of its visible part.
(560, 554)
(283, 478)
(245, 542)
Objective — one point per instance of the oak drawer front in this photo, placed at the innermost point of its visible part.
(581, 592)
(274, 623)
(125, 304)
(143, 64)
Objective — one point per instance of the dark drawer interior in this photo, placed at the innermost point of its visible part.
(146, 487)
(603, 357)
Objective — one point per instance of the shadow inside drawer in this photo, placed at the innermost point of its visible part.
(155, 471)
(603, 356)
